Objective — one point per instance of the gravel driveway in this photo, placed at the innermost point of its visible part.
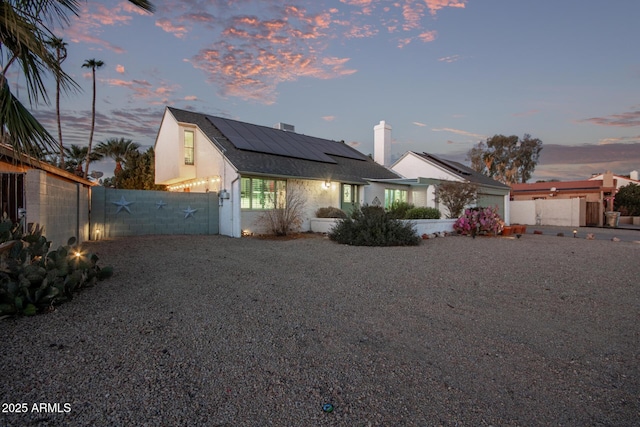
(215, 331)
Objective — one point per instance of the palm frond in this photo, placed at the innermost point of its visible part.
(20, 129)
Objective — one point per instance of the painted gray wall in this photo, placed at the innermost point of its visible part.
(118, 213)
(60, 206)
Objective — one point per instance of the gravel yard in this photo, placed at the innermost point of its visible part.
(215, 331)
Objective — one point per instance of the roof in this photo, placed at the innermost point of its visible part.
(584, 185)
(260, 150)
(26, 162)
(462, 171)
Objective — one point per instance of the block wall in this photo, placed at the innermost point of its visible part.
(60, 206)
(118, 213)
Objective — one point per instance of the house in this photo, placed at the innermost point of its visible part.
(621, 181)
(597, 196)
(249, 166)
(37, 192)
(424, 171)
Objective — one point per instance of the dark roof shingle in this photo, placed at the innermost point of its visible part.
(340, 163)
(463, 171)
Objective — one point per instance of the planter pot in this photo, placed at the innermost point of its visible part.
(507, 230)
(612, 218)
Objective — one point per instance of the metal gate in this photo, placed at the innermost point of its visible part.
(12, 200)
(593, 214)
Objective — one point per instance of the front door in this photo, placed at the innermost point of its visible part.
(349, 198)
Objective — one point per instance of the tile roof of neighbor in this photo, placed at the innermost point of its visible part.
(594, 185)
(463, 171)
(260, 150)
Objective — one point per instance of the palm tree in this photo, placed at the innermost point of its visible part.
(25, 28)
(93, 64)
(117, 149)
(61, 54)
(76, 156)
(24, 31)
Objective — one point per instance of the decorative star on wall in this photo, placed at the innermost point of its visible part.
(122, 204)
(189, 212)
(160, 204)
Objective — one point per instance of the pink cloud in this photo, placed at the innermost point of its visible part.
(253, 55)
(628, 119)
(449, 59)
(435, 5)
(460, 132)
(249, 55)
(328, 118)
(142, 89)
(428, 36)
(120, 69)
(87, 26)
(177, 30)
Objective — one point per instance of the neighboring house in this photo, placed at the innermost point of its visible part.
(621, 181)
(250, 165)
(598, 195)
(40, 193)
(424, 171)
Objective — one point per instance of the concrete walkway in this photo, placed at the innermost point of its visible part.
(626, 233)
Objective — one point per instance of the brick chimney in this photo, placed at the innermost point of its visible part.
(382, 143)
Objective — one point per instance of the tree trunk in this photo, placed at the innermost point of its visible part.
(93, 123)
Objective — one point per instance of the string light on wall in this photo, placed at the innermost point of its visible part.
(211, 183)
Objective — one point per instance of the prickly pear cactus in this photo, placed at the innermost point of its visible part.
(35, 279)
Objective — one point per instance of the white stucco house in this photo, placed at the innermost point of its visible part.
(423, 172)
(621, 181)
(248, 165)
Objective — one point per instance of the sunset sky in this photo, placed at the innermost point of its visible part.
(444, 74)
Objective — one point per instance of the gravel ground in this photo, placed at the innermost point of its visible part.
(214, 331)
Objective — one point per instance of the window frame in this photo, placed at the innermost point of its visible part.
(253, 196)
(388, 201)
(189, 151)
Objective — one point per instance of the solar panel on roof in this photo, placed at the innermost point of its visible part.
(263, 139)
(452, 165)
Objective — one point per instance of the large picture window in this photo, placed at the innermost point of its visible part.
(188, 147)
(392, 196)
(261, 194)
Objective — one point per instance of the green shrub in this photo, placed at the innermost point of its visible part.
(372, 226)
(330, 212)
(34, 279)
(398, 210)
(423, 213)
(627, 200)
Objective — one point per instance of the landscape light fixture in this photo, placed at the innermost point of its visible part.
(575, 232)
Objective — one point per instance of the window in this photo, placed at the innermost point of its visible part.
(188, 147)
(258, 193)
(393, 196)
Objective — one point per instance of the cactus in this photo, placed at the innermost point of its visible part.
(34, 279)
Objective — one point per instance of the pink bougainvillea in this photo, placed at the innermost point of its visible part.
(479, 221)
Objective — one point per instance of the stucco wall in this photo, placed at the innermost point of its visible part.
(152, 212)
(422, 226)
(60, 206)
(561, 212)
(315, 196)
(413, 166)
